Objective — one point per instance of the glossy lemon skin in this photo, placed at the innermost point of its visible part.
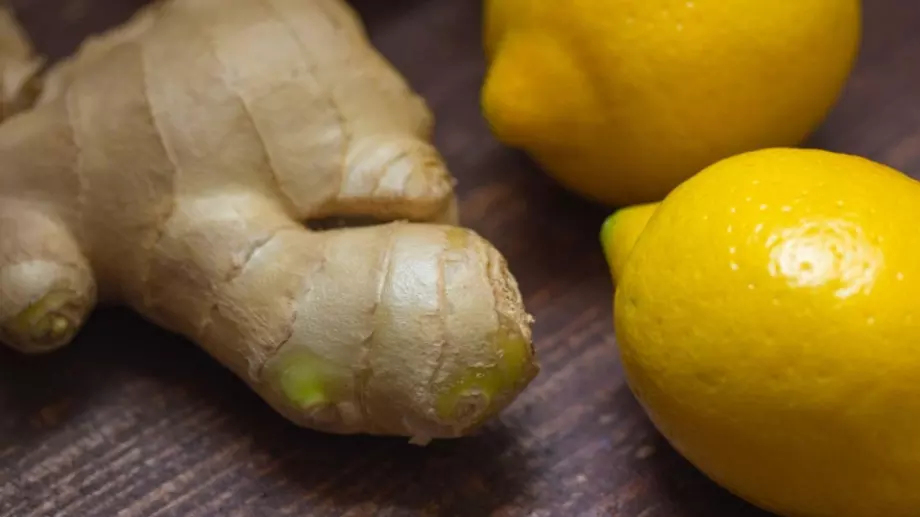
(621, 231)
(621, 100)
(768, 320)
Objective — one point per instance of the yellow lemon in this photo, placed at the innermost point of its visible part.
(768, 319)
(621, 100)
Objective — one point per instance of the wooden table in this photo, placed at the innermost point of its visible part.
(133, 421)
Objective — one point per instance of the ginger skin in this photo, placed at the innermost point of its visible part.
(170, 165)
(18, 65)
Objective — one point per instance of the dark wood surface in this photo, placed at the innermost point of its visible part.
(132, 421)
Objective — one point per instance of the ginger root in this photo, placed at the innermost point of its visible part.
(170, 165)
(18, 66)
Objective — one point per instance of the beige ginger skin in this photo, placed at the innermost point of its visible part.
(170, 166)
(18, 65)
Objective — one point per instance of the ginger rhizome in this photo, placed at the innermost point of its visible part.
(170, 165)
(18, 65)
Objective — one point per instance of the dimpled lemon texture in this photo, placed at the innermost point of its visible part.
(769, 322)
(620, 100)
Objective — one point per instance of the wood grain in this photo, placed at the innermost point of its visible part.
(132, 421)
